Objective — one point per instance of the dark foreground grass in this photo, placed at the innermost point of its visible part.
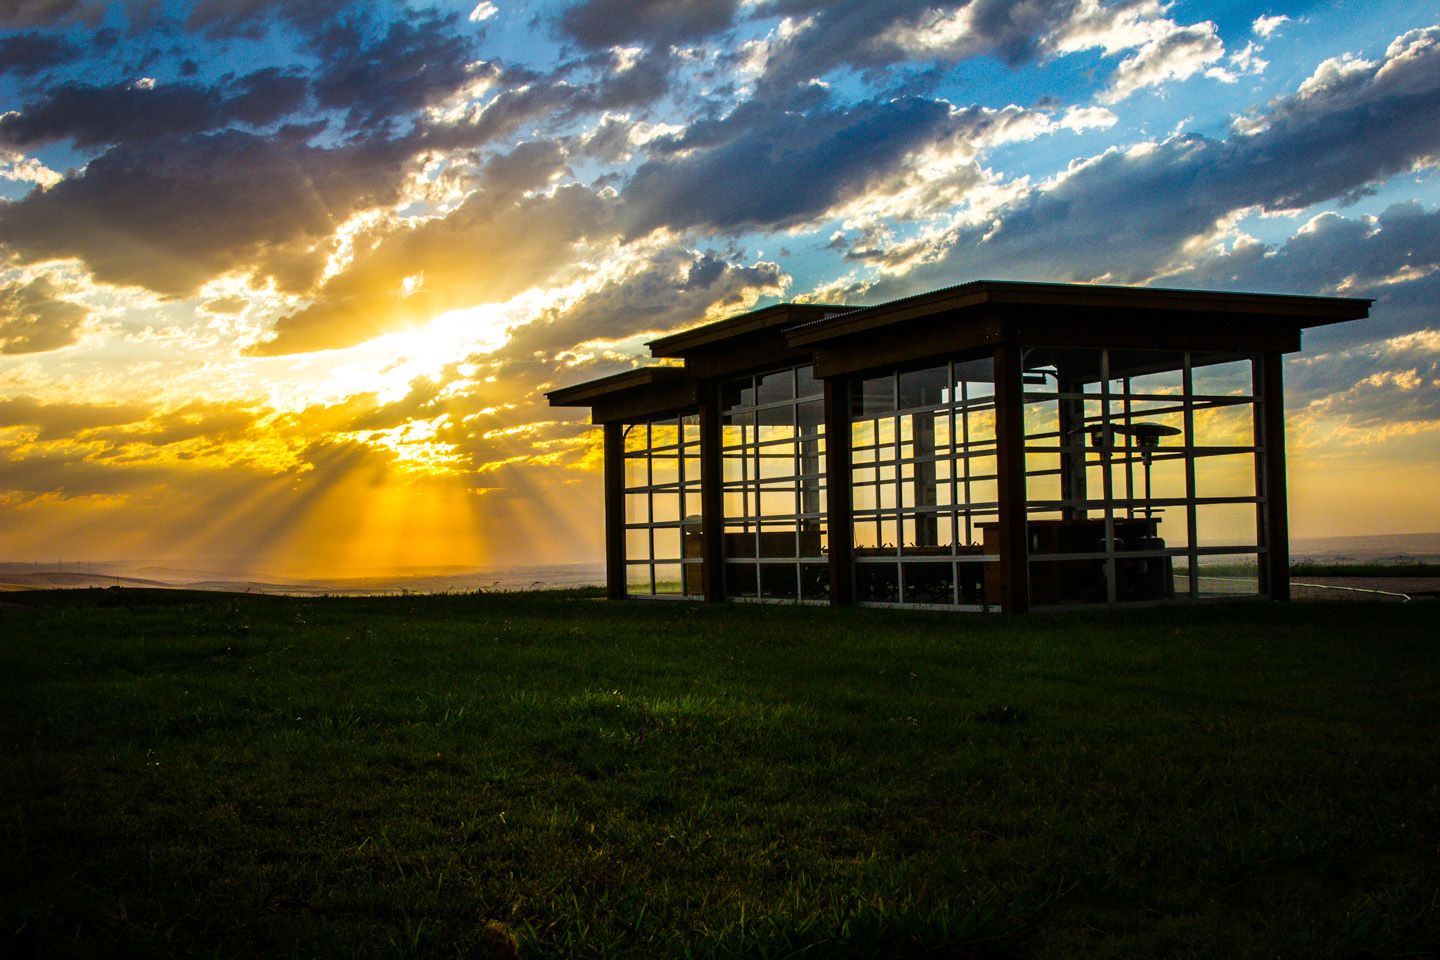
(427, 776)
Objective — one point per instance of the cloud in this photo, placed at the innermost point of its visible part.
(34, 319)
(1132, 215)
(26, 54)
(136, 112)
(1178, 54)
(19, 14)
(221, 19)
(672, 288)
(773, 169)
(502, 240)
(65, 420)
(1265, 26)
(606, 23)
(417, 62)
(1372, 387)
(169, 215)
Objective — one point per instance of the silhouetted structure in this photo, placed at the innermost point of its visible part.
(987, 446)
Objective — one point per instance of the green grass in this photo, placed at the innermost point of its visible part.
(383, 777)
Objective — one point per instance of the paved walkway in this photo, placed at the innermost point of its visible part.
(1365, 588)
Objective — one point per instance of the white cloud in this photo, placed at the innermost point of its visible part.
(1248, 59)
(1178, 55)
(484, 11)
(1265, 26)
(1088, 118)
(22, 169)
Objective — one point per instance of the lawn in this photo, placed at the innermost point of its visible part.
(430, 776)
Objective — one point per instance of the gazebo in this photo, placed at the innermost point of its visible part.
(990, 446)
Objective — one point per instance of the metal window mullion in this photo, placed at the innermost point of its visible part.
(1192, 526)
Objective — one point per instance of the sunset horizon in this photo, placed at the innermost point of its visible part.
(286, 283)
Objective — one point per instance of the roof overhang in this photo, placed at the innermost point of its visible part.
(970, 298)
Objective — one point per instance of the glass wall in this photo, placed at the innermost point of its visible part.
(924, 487)
(773, 463)
(1142, 475)
(663, 542)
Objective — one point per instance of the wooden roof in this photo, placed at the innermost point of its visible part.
(585, 394)
(1295, 311)
(980, 314)
(767, 318)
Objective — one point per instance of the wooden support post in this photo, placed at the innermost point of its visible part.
(1276, 562)
(712, 493)
(1010, 464)
(614, 440)
(839, 505)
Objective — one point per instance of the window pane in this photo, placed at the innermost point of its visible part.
(877, 582)
(1226, 524)
(929, 582)
(741, 580)
(776, 386)
(637, 437)
(1221, 375)
(814, 581)
(667, 543)
(637, 578)
(637, 508)
(1226, 476)
(806, 385)
(668, 579)
(874, 396)
(777, 580)
(923, 388)
(737, 393)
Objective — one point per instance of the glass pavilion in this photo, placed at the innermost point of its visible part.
(991, 446)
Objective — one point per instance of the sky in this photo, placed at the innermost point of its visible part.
(283, 282)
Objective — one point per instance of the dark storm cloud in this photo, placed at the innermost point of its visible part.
(674, 288)
(25, 54)
(251, 18)
(642, 82)
(45, 13)
(1126, 216)
(415, 63)
(874, 35)
(34, 319)
(772, 170)
(129, 112)
(608, 23)
(169, 215)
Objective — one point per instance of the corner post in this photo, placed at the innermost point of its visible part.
(840, 520)
(1277, 521)
(1010, 464)
(712, 494)
(614, 453)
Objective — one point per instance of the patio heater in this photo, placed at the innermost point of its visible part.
(1147, 438)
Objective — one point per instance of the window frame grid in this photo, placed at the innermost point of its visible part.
(1126, 508)
(890, 451)
(745, 480)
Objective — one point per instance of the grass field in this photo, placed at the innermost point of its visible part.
(433, 775)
